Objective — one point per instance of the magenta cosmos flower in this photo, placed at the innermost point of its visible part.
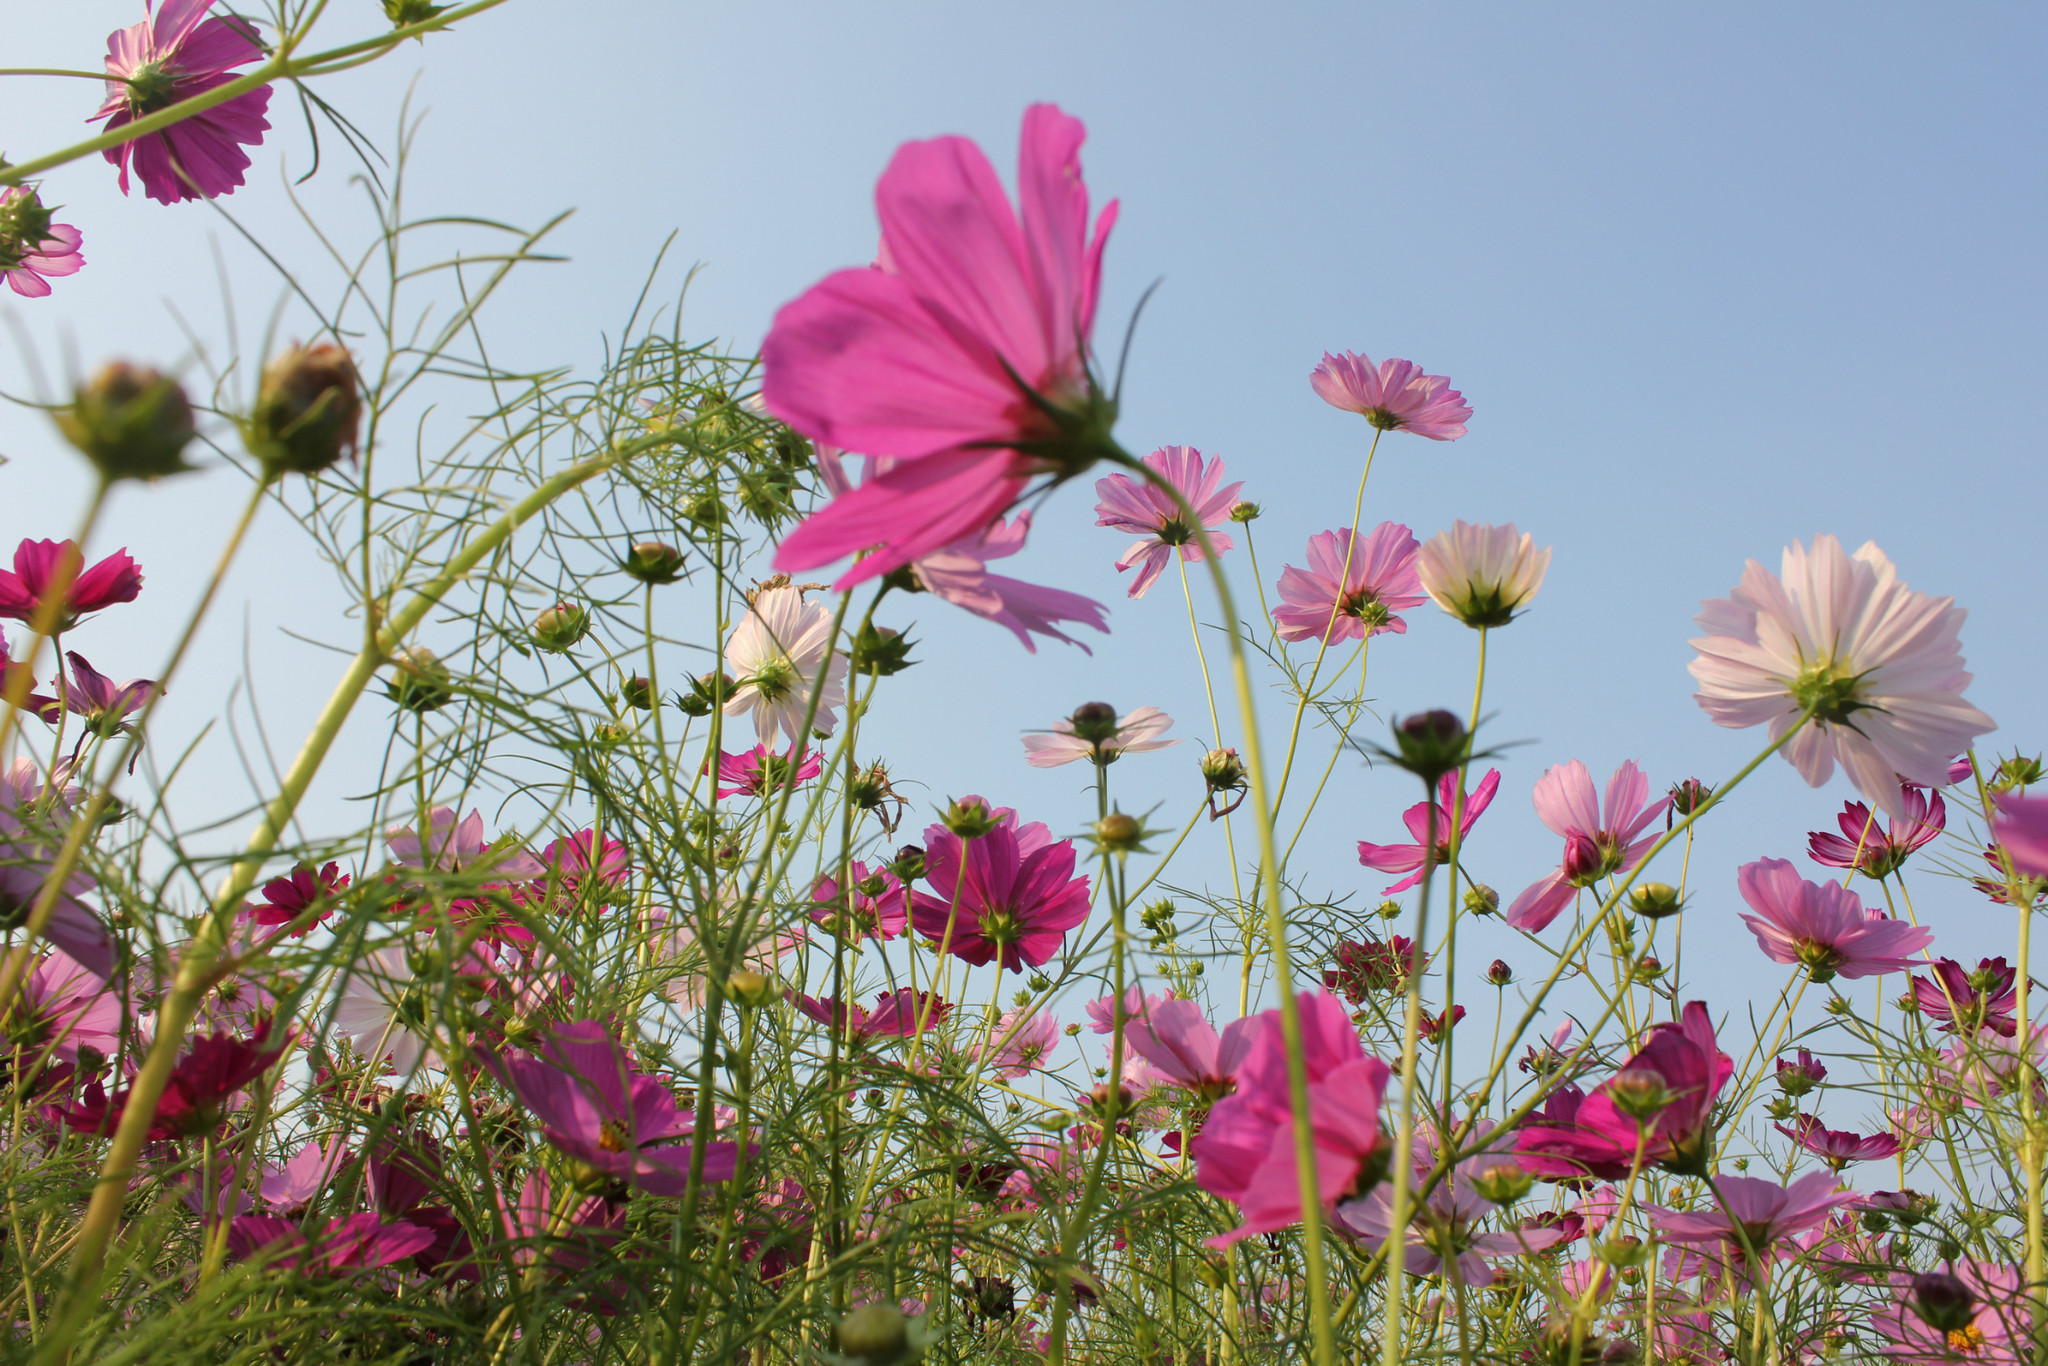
(1017, 893)
(875, 906)
(1874, 851)
(195, 1098)
(1822, 925)
(1838, 1147)
(962, 352)
(1414, 859)
(1766, 1213)
(304, 888)
(172, 57)
(1149, 512)
(1175, 1037)
(1841, 639)
(596, 1106)
(1351, 590)
(1245, 1152)
(105, 704)
(1595, 846)
(39, 564)
(32, 248)
(359, 1242)
(2021, 826)
(1446, 1226)
(1394, 396)
(1137, 732)
(958, 573)
(1582, 1136)
(761, 771)
(1965, 1001)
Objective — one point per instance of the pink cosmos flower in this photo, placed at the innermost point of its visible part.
(291, 1188)
(1880, 853)
(1137, 1004)
(1482, 575)
(1966, 1002)
(1840, 637)
(162, 61)
(1245, 1152)
(1768, 1214)
(897, 1013)
(28, 851)
(1991, 1065)
(1018, 896)
(596, 1106)
(91, 694)
(32, 248)
(958, 573)
(1020, 1043)
(453, 846)
(761, 771)
(1136, 733)
(1394, 396)
(1594, 847)
(1413, 859)
(39, 564)
(572, 859)
(359, 1242)
(1175, 1037)
(1800, 1075)
(195, 1099)
(287, 898)
(1446, 1226)
(1351, 590)
(65, 1008)
(1838, 1147)
(1591, 1136)
(2021, 826)
(1823, 925)
(879, 907)
(1150, 513)
(1972, 1313)
(963, 351)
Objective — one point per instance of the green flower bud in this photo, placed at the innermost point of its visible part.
(1431, 744)
(969, 820)
(1120, 834)
(1244, 512)
(308, 411)
(131, 422)
(654, 562)
(881, 651)
(558, 629)
(1481, 899)
(1655, 900)
(1094, 722)
(750, 988)
(1503, 1183)
(637, 693)
(420, 681)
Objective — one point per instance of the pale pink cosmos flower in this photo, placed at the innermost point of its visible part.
(384, 1010)
(963, 351)
(1020, 1042)
(292, 1187)
(1840, 638)
(1351, 590)
(64, 1008)
(1823, 925)
(1595, 846)
(170, 58)
(1446, 1225)
(1969, 1313)
(776, 653)
(28, 855)
(1414, 859)
(32, 248)
(1175, 1037)
(1149, 512)
(1482, 575)
(457, 845)
(1394, 396)
(1137, 1003)
(2020, 825)
(1766, 1213)
(1137, 732)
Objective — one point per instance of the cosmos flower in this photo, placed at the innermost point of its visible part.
(1137, 1004)
(1482, 575)
(357, 1242)
(64, 1008)
(1019, 1043)
(1175, 1037)
(2020, 825)
(32, 248)
(1017, 893)
(1880, 853)
(1761, 1214)
(1823, 925)
(1446, 1225)
(879, 907)
(453, 846)
(963, 352)
(776, 652)
(194, 1101)
(761, 771)
(1595, 846)
(164, 60)
(958, 573)
(287, 898)
(91, 694)
(1412, 859)
(1351, 590)
(28, 853)
(1965, 1001)
(1246, 1150)
(387, 1012)
(290, 1188)
(39, 564)
(1840, 639)
(1137, 732)
(1838, 1147)
(1970, 1313)
(595, 1106)
(1394, 396)
(1153, 515)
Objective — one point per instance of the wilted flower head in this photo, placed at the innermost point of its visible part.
(1149, 512)
(1394, 396)
(164, 60)
(1353, 589)
(1838, 1147)
(1482, 575)
(86, 692)
(1841, 640)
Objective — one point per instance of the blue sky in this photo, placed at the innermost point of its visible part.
(1713, 278)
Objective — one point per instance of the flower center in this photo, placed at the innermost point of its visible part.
(613, 1136)
(1820, 959)
(999, 926)
(150, 88)
(1970, 1339)
(1827, 693)
(1176, 531)
(1386, 419)
(775, 679)
(1364, 604)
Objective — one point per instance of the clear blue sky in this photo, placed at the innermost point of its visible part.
(1713, 277)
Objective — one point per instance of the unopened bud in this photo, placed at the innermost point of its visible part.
(1639, 1093)
(1094, 722)
(2016, 771)
(880, 651)
(653, 562)
(969, 819)
(131, 422)
(1499, 974)
(419, 681)
(749, 988)
(1119, 833)
(1222, 770)
(558, 629)
(637, 693)
(1689, 796)
(908, 865)
(1648, 971)
(1389, 910)
(1245, 512)
(308, 411)
(1655, 900)
(1481, 899)
(1502, 1182)
(1623, 1250)
(1431, 744)
(874, 1332)
(1944, 1302)
(707, 692)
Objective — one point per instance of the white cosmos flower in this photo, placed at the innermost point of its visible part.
(382, 1007)
(1482, 575)
(775, 654)
(1135, 733)
(1878, 666)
